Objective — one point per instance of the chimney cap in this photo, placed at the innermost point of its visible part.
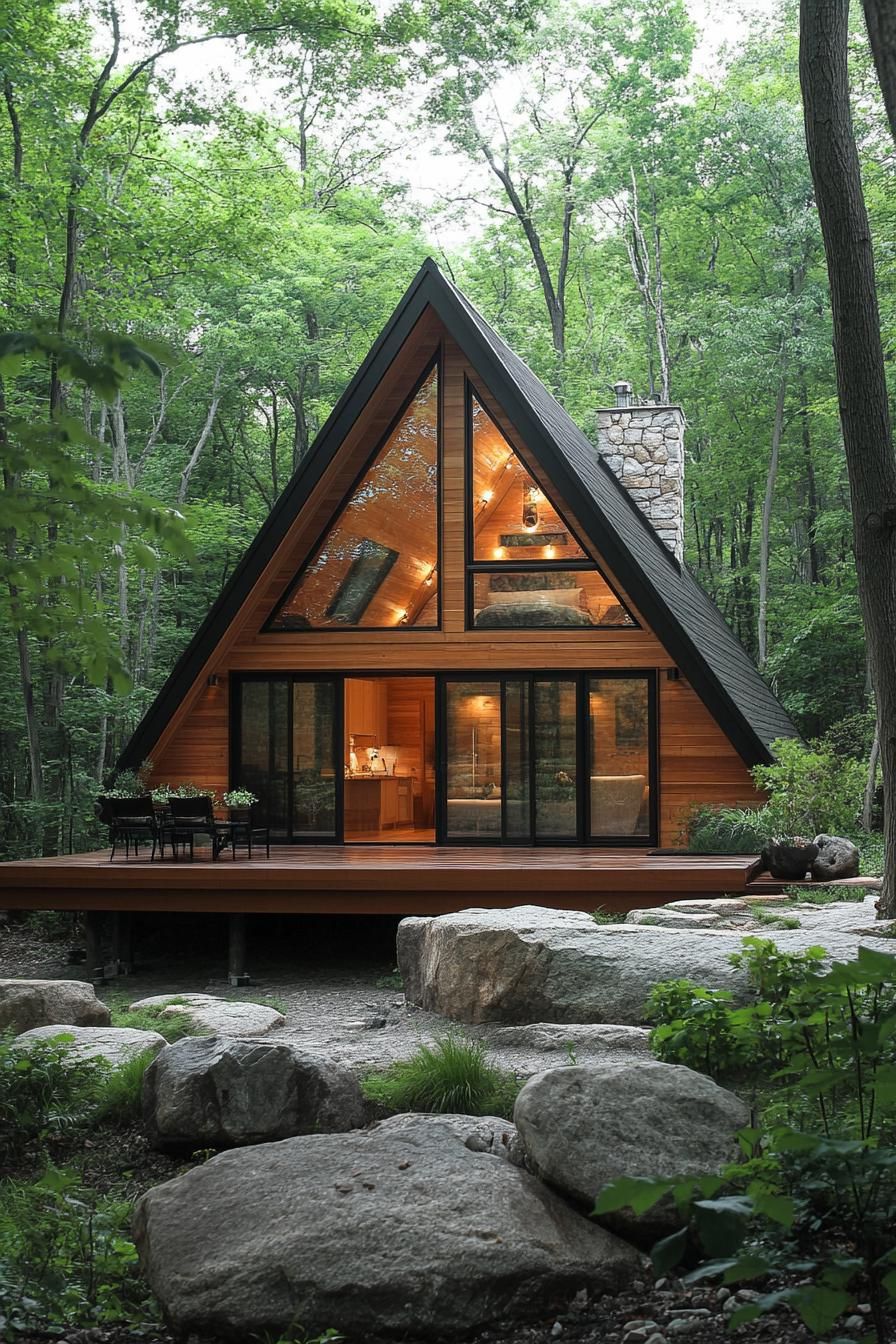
(623, 391)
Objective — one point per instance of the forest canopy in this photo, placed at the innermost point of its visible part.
(198, 264)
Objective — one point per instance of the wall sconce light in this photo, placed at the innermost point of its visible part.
(430, 576)
(403, 617)
(500, 553)
(213, 680)
(485, 499)
(531, 495)
(549, 552)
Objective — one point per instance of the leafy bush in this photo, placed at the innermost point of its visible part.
(703, 1029)
(451, 1076)
(41, 1092)
(603, 916)
(811, 789)
(66, 1258)
(814, 1201)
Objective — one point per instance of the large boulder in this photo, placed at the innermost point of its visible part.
(115, 1045)
(586, 1126)
(377, 1234)
(531, 964)
(213, 1092)
(837, 858)
(209, 1014)
(45, 1003)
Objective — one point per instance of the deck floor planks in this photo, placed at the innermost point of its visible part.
(371, 879)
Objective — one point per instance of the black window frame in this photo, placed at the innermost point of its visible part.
(583, 838)
(437, 362)
(472, 566)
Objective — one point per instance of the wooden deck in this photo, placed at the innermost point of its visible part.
(372, 879)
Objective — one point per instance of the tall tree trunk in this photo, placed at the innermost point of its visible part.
(861, 381)
(767, 503)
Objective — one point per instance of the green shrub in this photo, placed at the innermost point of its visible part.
(451, 1076)
(42, 1092)
(814, 1201)
(811, 789)
(66, 1258)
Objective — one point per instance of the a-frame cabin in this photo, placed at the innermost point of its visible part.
(457, 627)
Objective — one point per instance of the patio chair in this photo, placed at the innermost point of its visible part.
(189, 817)
(131, 820)
(241, 830)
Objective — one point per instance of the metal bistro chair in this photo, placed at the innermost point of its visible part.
(131, 820)
(241, 830)
(190, 817)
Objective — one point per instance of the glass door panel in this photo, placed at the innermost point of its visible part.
(555, 720)
(263, 765)
(620, 730)
(285, 754)
(517, 810)
(473, 760)
(314, 762)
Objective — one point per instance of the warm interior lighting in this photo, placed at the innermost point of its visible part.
(403, 617)
(549, 552)
(500, 553)
(430, 576)
(485, 497)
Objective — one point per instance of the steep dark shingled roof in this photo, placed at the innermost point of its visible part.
(681, 614)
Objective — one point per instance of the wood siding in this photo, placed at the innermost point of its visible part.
(697, 763)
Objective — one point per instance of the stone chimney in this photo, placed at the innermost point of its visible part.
(644, 447)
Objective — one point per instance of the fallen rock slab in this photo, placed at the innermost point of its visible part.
(116, 1045)
(377, 1234)
(586, 1126)
(25, 1004)
(214, 1092)
(591, 1038)
(532, 964)
(229, 1017)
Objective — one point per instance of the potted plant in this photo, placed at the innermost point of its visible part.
(789, 856)
(239, 803)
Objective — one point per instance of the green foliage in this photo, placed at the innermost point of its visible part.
(704, 1029)
(811, 790)
(119, 1091)
(238, 798)
(727, 830)
(42, 1092)
(173, 1026)
(451, 1076)
(815, 1197)
(66, 1258)
(602, 916)
(391, 981)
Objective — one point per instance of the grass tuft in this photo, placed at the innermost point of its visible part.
(173, 1026)
(452, 1076)
(602, 916)
(120, 1091)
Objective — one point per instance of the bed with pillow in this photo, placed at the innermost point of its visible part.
(532, 601)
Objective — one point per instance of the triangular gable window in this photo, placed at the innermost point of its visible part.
(376, 568)
(527, 567)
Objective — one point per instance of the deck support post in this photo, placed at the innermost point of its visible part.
(123, 942)
(236, 951)
(93, 964)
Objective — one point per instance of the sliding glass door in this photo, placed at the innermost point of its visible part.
(549, 759)
(284, 749)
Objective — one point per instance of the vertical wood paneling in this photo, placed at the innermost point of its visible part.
(697, 762)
